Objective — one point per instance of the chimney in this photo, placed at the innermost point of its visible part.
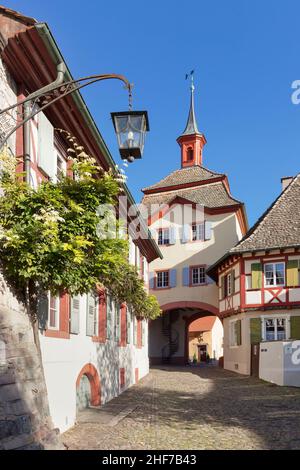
(285, 181)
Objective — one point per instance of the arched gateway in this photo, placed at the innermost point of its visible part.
(88, 389)
(169, 335)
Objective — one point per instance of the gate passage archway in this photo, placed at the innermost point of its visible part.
(168, 335)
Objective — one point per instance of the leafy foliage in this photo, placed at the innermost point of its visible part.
(51, 237)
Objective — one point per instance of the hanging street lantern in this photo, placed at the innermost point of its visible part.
(131, 127)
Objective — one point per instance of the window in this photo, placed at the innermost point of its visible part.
(274, 274)
(60, 168)
(275, 329)
(162, 279)
(227, 282)
(163, 236)
(235, 333)
(190, 154)
(198, 232)
(198, 276)
(53, 313)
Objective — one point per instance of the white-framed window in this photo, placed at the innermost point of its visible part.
(162, 279)
(275, 329)
(163, 236)
(235, 336)
(53, 312)
(198, 231)
(274, 274)
(198, 275)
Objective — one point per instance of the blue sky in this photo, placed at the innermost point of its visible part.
(246, 54)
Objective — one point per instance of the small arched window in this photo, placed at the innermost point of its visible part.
(190, 154)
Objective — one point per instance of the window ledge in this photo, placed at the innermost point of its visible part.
(57, 334)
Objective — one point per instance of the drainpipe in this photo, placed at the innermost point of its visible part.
(61, 69)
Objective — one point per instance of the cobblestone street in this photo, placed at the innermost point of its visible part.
(193, 408)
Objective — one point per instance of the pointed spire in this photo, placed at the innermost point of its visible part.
(191, 125)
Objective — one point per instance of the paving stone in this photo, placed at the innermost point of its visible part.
(193, 408)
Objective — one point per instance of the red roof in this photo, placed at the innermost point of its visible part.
(202, 324)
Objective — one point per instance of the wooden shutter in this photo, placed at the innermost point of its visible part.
(128, 328)
(123, 336)
(172, 235)
(74, 314)
(134, 330)
(292, 273)
(151, 280)
(295, 327)
(143, 332)
(255, 330)
(109, 310)
(91, 316)
(117, 321)
(43, 310)
(46, 155)
(172, 275)
(208, 230)
(186, 276)
(186, 233)
(256, 275)
(238, 326)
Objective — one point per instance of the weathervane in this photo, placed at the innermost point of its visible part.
(191, 76)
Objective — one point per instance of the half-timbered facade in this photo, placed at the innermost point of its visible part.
(259, 291)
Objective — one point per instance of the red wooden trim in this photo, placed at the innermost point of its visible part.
(242, 283)
(136, 374)
(92, 374)
(139, 333)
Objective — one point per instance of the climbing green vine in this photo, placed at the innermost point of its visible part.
(51, 236)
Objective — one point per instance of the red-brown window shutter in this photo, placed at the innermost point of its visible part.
(64, 313)
(122, 377)
(139, 333)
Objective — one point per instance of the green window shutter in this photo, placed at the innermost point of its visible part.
(255, 330)
(238, 332)
(117, 321)
(295, 327)
(256, 275)
(292, 273)
(134, 330)
(74, 314)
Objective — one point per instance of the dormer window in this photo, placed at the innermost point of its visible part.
(190, 154)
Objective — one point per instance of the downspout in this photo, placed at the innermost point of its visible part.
(61, 69)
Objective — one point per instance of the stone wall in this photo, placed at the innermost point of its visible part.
(25, 422)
